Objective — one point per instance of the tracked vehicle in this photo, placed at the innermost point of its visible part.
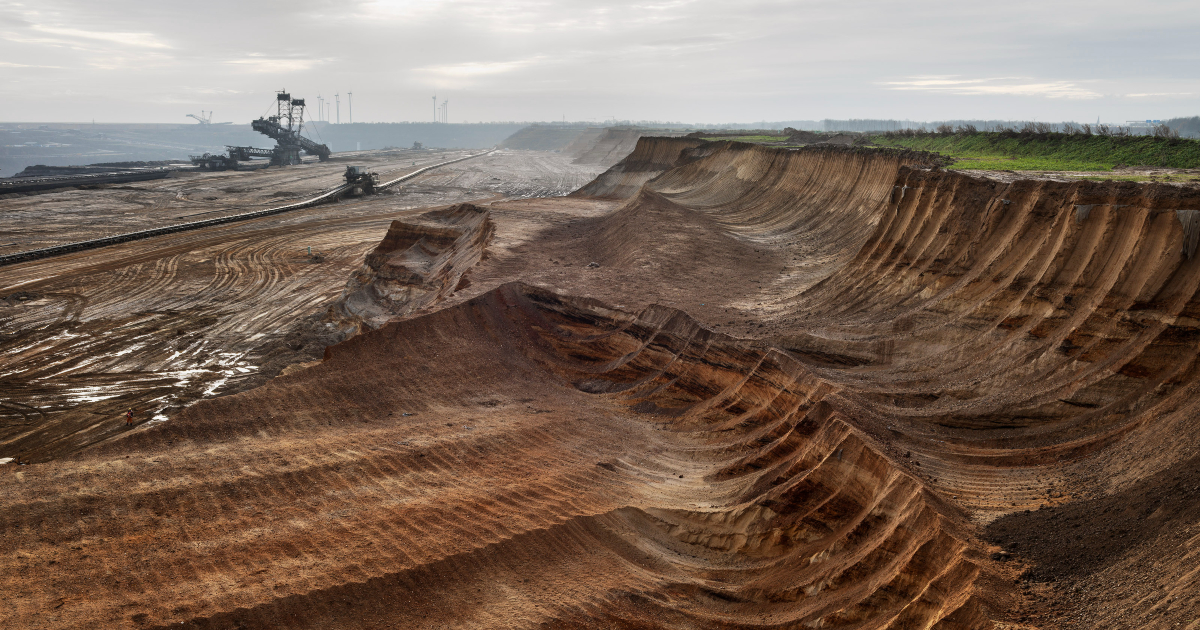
(361, 181)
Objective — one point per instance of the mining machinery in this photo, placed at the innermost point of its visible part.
(361, 181)
(219, 162)
(214, 161)
(204, 120)
(285, 127)
(245, 154)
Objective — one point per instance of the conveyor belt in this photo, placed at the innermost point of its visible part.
(327, 196)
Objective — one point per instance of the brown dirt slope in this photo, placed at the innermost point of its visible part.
(1026, 344)
(1030, 322)
(1034, 344)
(583, 142)
(564, 464)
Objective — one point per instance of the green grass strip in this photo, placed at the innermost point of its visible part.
(1051, 151)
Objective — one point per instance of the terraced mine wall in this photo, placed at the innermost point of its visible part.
(1022, 345)
(1065, 314)
(1053, 306)
(615, 143)
(604, 146)
(650, 158)
(583, 142)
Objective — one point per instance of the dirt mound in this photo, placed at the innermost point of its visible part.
(574, 465)
(419, 262)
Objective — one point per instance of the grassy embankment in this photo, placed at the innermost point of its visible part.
(754, 139)
(1051, 151)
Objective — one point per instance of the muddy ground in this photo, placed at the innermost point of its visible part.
(159, 324)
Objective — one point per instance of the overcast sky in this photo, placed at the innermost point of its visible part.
(689, 61)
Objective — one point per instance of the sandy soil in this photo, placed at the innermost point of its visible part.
(158, 324)
(1173, 176)
(721, 386)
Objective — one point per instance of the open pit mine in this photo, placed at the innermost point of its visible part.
(711, 385)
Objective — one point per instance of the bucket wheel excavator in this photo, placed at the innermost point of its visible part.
(284, 127)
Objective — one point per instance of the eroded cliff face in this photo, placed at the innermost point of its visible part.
(419, 262)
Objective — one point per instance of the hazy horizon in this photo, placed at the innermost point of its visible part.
(132, 61)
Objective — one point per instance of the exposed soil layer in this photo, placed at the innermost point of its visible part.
(734, 387)
(419, 262)
(607, 469)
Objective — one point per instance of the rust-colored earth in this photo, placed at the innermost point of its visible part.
(719, 386)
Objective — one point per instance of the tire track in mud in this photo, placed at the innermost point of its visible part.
(587, 468)
(158, 324)
(325, 196)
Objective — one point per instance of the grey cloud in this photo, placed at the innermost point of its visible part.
(702, 60)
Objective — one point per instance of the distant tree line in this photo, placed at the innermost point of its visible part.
(1173, 128)
(1162, 130)
(1187, 127)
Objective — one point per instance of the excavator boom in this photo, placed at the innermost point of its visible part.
(285, 127)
